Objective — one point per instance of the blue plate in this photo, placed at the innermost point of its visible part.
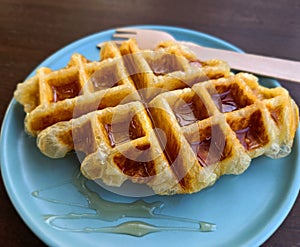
(247, 208)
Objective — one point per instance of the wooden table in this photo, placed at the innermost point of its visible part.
(31, 30)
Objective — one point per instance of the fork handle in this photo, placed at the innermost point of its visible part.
(256, 64)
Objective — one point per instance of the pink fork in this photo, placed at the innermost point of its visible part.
(261, 65)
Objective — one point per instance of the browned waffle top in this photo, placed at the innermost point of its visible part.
(163, 117)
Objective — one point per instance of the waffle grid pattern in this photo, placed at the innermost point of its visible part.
(161, 117)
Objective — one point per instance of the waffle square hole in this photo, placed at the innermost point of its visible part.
(139, 171)
(209, 145)
(66, 87)
(123, 130)
(83, 138)
(251, 131)
(164, 64)
(230, 98)
(276, 113)
(105, 77)
(188, 109)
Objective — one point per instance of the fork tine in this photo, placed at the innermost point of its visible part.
(123, 35)
(146, 39)
(117, 42)
(125, 30)
(99, 45)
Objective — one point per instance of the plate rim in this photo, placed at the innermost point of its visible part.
(33, 225)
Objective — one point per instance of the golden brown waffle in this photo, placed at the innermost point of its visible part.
(120, 144)
(51, 96)
(177, 131)
(170, 67)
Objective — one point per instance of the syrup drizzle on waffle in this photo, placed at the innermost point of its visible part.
(163, 118)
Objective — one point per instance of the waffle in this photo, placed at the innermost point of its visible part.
(176, 128)
(51, 96)
(170, 67)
